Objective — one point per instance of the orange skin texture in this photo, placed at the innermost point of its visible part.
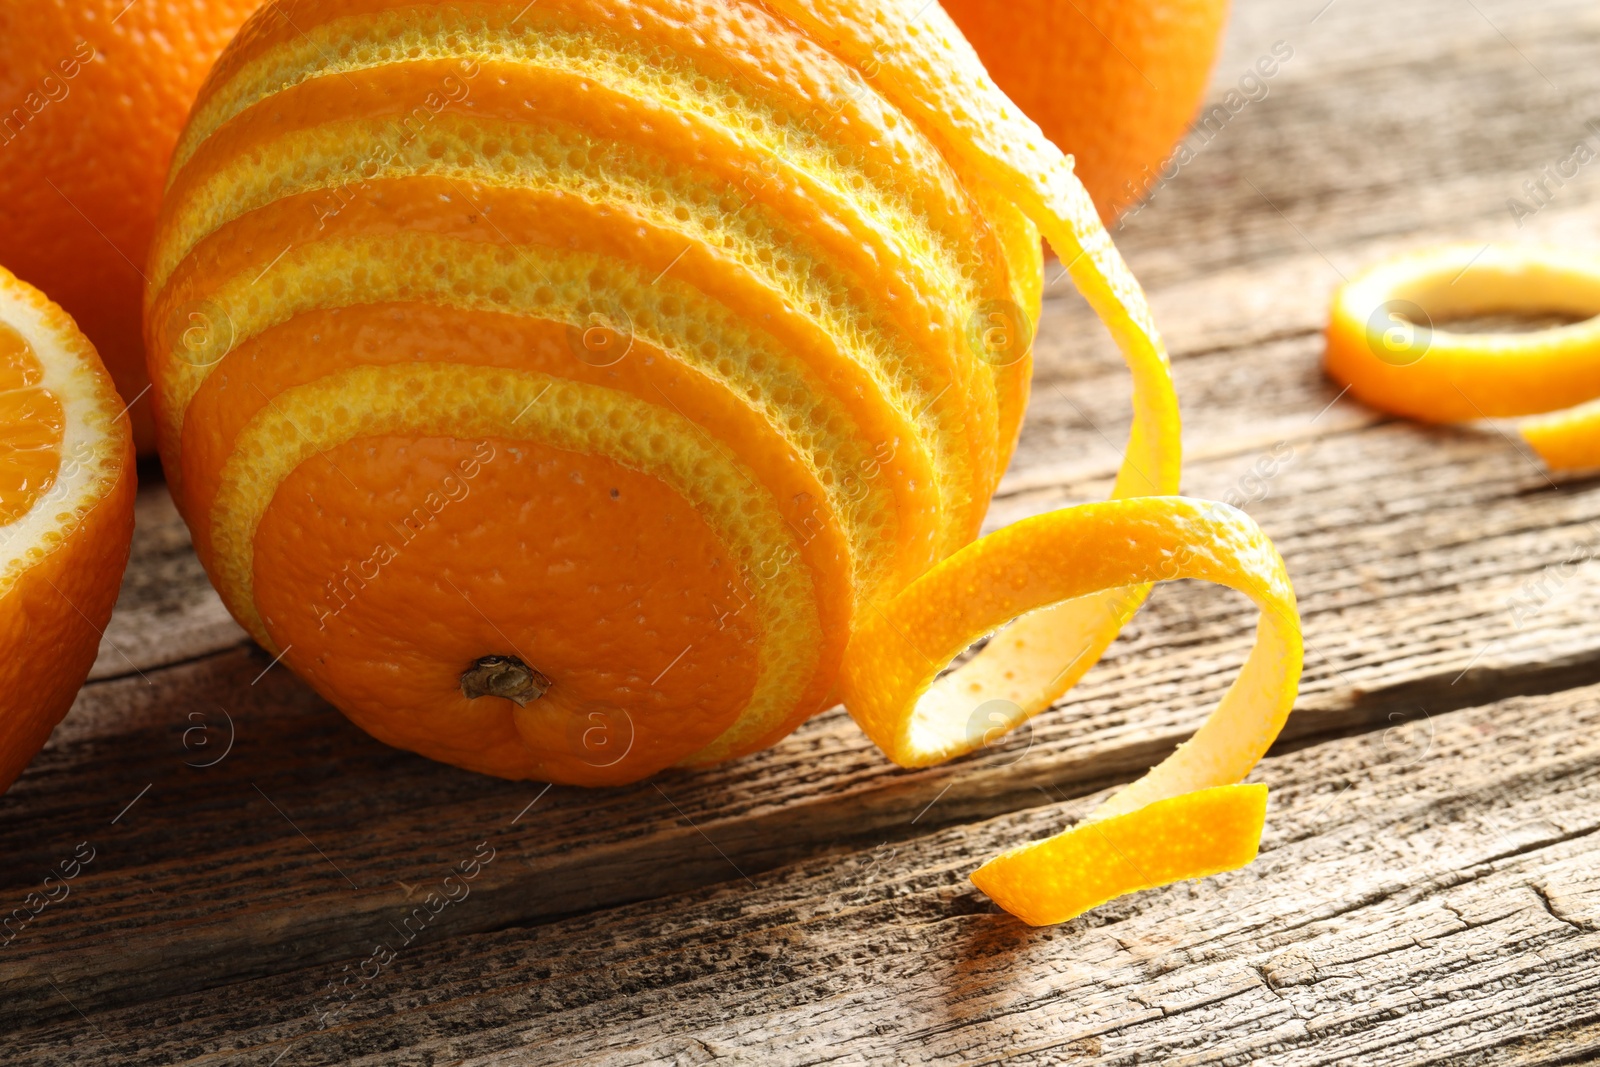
(613, 610)
(103, 102)
(377, 335)
(1112, 82)
(1190, 836)
(284, 354)
(52, 615)
(418, 206)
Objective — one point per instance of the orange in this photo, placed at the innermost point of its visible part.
(92, 95)
(67, 485)
(1113, 82)
(567, 390)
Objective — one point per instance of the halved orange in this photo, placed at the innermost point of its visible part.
(67, 484)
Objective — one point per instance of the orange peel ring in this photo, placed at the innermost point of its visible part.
(1382, 344)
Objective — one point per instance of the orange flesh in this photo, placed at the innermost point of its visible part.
(65, 525)
(31, 425)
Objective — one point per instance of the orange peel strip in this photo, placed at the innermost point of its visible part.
(1381, 342)
(1190, 836)
(893, 688)
(1077, 574)
(928, 70)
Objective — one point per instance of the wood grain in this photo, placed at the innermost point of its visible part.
(1389, 633)
(1412, 898)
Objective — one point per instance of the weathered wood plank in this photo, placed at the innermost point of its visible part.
(1418, 554)
(1414, 903)
(1388, 630)
(1389, 120)
(167, 611)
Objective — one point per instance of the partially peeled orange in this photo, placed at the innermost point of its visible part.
(572, 390)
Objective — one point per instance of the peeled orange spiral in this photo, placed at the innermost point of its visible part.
(572, 390)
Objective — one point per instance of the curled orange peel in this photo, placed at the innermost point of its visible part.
(894, 690)
(1381, 342)
(1065, 582)
(928, 70)
(1190, 836)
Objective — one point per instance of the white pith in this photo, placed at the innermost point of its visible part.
(85, 444)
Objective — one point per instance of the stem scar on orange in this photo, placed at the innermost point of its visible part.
(575, 390)
(66, 515)
(92, 96)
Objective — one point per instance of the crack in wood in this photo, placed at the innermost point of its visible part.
(1543, 895)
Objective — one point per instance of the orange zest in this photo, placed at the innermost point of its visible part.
(1193, 835)
(1382, 342)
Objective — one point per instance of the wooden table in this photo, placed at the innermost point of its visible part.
(1427, 889)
